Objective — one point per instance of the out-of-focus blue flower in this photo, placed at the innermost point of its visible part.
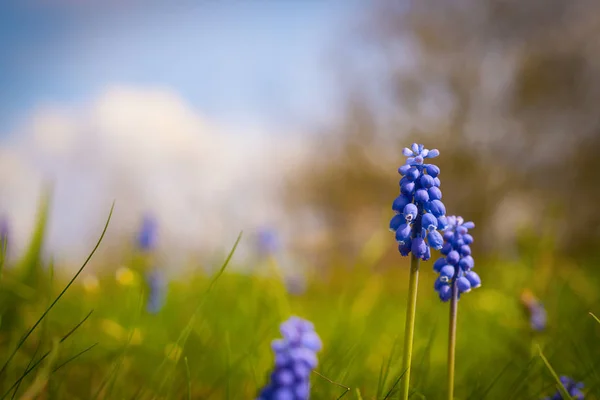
(456, 267)
(573, 388)
(147, 238)
(267, 242)
(295, 359)
(157, 290)
(536, 311)
(4, 230)
(420, 212)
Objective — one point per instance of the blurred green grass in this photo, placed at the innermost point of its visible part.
(215, 344)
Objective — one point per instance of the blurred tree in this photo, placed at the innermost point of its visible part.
(507, 90)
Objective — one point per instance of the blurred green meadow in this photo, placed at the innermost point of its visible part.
(211, 340)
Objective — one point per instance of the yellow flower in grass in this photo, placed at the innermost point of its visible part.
(91, 284)
(125, 276)
(173, 351)
(113, 329)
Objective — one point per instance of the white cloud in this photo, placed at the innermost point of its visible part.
(149, 150)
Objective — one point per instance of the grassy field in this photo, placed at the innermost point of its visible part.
(211, 339)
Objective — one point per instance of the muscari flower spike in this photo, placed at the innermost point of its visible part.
(457, 263)
(536, 311)
(420, 212)
(295, 359)
(147, 237)
(573, 388)
(157, 286)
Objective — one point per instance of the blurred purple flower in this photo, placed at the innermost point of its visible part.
(295, 359)
(267, 242)
(157, 290)
(147, 238)
(572, 387)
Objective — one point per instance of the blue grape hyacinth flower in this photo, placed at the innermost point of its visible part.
(457, 264)
(536, 311)
(420, 213)
(295, 359)
(157, 290)
(147, 238)
(573, 388)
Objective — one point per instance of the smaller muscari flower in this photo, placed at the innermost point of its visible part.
(3, 233)
(536, 311)
(157, 286)
(147, 237)
(419, 209)
(456, 267)
(267, 242)
(295, 359)
(573, 388)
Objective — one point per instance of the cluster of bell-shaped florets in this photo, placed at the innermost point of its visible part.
(420, 212)
(456, 267)
(295, 359)
(572, 387)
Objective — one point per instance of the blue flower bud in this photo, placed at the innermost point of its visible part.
(435, 240)
(468, 225)
(436, 207)
(439, 263)
(572, 387)
(396, 221)
(415, 148)
(433, 153)
(446, 249)
(421, 196)
(447, 272)
(407, 188)
(468, 239)
(448, 236)
(436, 182)
(406, 152)
(463, 284)
(404, 169)
(412, 174)
(433, 170)
(438, 284)
(434, 193)
(453, 257)
(445, 293)
(465, 250)
(404, 248)
(466, 263)
(429, 221)
(427, 181)
(419, 248)
(400, 202)
(410, 212)
(403, 233)
(474, 279)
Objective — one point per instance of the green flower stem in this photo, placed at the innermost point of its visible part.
(409, 329)
(452, 339)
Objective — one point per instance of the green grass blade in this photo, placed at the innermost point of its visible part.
(187, 377)
(24, 338)
(596, 318)
(561, 388)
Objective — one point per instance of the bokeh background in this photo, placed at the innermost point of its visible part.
(286, 120)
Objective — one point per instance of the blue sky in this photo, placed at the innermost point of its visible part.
(258, 62)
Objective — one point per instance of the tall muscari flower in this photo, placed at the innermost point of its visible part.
(147, 236)
(420, 212)
(536, 311)
(295, 359)
(457, 263)
(157, 286)
(573, 388)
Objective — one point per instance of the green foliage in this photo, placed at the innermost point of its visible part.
(212, 339)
